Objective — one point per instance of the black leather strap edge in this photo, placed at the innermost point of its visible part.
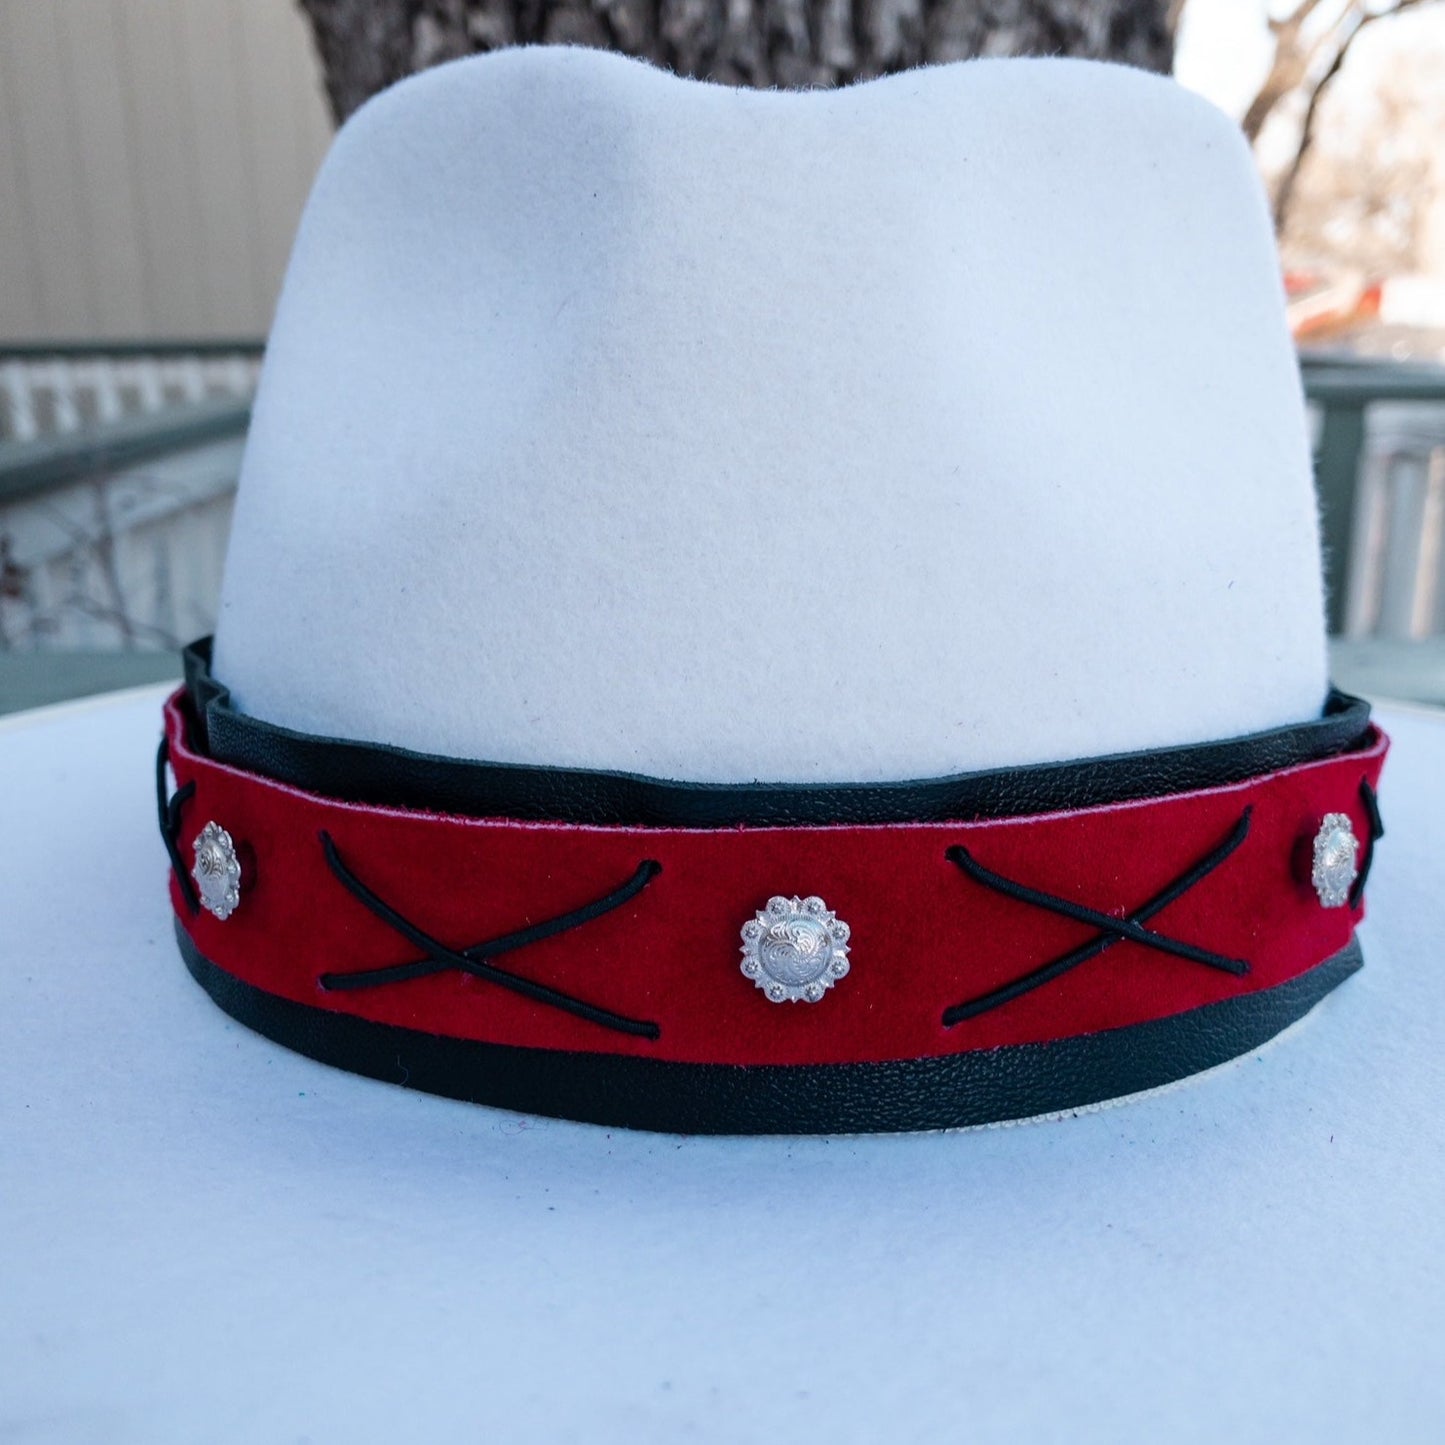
(384, 776)
(984, 1086)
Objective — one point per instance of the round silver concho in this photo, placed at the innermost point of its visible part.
(795, 949)
(217, 871)
(1336, 863)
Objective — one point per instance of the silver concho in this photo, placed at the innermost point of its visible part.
(795, 949)
(1336, 863)
(217, 871)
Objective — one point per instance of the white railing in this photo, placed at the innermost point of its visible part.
(53, 393)
(1380, 475)
(113, 526)
(1397, 560)
(124, 560)
(117, 472)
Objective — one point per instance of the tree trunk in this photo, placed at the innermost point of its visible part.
(366, 45)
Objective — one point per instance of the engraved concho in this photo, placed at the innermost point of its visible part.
(1336, 864)
(795, 949)
(217, 871)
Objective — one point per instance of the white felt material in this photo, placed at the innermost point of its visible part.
(616, 420)
(204, 1237)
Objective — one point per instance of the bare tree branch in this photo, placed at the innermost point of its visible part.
(1292, 58)
(1284, 191)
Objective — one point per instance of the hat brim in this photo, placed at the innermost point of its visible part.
(210, 1236)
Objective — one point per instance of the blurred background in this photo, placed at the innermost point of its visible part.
(155, 156)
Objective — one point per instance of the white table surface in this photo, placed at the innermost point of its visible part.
(204, 1237)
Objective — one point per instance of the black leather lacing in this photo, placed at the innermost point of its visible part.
(1377, 831)
(1112, 930)
(169, 812)
(471, 960)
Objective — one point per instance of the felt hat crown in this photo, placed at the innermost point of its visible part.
(614, 420)
(870, 531)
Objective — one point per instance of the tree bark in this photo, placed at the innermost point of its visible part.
(366, 45)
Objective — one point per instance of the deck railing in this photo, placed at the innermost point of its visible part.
(1380, 475)
(117, 473)
(48, 391)
(117, 468)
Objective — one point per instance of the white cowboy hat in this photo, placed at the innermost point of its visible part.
(901, 493)
(656, 464)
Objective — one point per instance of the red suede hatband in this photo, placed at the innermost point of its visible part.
(924, 934)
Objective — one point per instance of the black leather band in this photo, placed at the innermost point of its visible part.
(394, 777)
(980, 1087)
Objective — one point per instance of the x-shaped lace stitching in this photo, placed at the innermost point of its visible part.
(439, 958)
(1112, 930)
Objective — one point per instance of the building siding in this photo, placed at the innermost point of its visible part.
(154, 159)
